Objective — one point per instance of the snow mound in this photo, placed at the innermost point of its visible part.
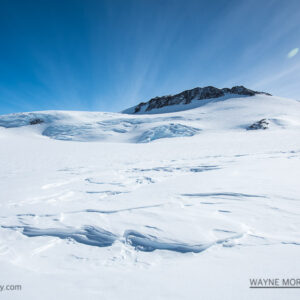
(167, 131)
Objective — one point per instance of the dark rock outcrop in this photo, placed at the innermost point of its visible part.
(262, 124)
(36, 121)
(198, 93)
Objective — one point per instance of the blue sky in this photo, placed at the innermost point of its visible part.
(110, 55)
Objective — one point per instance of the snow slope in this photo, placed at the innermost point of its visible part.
(182, 205)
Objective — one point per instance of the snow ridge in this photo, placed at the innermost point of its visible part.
(95, 236)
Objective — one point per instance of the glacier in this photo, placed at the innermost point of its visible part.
(169, 205)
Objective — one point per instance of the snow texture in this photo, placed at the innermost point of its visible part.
(177, 205)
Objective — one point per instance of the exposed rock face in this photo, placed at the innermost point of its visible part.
(36, 121)
(262, 124)
(198, 93)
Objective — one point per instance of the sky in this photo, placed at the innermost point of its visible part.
(101, 55)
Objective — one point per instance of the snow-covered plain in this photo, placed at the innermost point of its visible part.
(182, 205)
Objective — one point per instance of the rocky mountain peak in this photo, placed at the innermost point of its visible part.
(195, 94)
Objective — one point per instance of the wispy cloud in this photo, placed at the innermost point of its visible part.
(293, 52)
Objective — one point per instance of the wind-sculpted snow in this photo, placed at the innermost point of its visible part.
(88, 235)
(149, 243)
(95, 236)
(120, 210)
(211, 206)
(167, 131)
(224, 194)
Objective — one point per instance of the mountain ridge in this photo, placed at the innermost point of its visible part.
(187, 96)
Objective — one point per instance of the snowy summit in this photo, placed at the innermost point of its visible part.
(190, 99)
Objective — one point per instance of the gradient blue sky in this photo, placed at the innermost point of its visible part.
(110, 55)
